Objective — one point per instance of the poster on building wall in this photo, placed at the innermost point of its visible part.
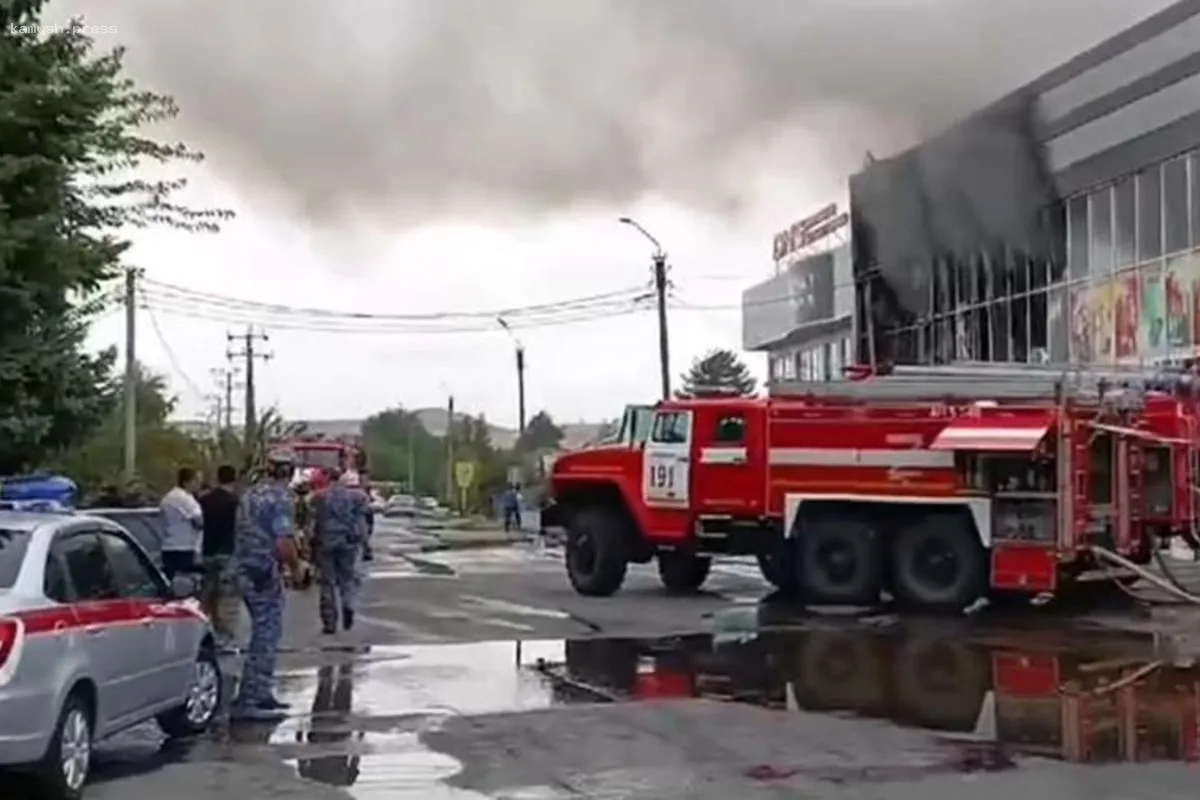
(1180, 299)
(1103, 321)
(1152, 325)
(1126, 311)
(1080, 309)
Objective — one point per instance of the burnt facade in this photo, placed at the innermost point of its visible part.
(1060, 224)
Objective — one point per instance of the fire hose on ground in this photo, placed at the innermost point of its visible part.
(1169, 584)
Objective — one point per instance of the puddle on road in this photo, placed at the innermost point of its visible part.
(358, 725)
(992, 697)
(995, 696)
(1036, 695)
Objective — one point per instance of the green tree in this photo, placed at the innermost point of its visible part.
(162, 448)
(400, 449)
(69, 154)
(717, 373)
(541, 433)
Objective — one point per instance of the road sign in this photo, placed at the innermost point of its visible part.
(464, 474)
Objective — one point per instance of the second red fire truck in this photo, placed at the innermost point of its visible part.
(937, 486)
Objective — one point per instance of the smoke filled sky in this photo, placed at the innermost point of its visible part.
(360, 130)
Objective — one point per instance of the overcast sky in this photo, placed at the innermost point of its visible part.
(419, 156)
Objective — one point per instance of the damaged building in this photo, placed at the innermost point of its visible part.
(1060, 224)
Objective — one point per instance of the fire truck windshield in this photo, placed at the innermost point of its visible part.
(322, 457)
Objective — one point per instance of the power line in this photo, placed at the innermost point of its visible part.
(171, 359)
(169, 291)
(193, 309)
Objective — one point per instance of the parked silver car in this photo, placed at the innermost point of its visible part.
(93, 640)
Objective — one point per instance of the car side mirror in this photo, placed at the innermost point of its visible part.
(185, 587)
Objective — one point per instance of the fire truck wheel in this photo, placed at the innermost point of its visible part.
(778, 567)
(682, 573)
(938, 563)
(596, 558)
(838, 562)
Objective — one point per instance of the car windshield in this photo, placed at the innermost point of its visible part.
(323, 457)
(12, 554)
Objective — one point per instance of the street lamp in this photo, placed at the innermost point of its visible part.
(520, 348)
(659, 258)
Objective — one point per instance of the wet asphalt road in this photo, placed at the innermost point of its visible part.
(480, 674)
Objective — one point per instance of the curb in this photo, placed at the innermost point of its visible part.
(476, 544)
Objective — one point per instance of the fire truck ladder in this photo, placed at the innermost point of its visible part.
(985, 381)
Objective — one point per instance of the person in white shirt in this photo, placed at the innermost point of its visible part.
(184, 525)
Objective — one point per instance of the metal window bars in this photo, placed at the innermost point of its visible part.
(1122, 388)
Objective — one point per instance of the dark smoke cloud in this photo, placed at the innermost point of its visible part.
(413, 109)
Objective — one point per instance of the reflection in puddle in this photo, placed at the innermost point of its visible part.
(363, 725)
(358, 724)
(1101, 702)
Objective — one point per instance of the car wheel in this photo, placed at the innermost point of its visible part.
(203, 700)
(65, 768)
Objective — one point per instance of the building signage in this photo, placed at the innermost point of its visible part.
(808, 231)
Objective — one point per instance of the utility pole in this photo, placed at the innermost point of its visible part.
(225, 379)
(131, 373)
(450, 452)
(664, 350)
(521, 390)
(520, 349)
(660, 293)
(412, 455)
(249, 356)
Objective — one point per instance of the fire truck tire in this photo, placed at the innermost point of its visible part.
(596, 552)
(938, 563)
(839, 562)
(682, 573)
(778, 568)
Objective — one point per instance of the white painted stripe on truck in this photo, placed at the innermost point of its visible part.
(851, 457)
(723, 455)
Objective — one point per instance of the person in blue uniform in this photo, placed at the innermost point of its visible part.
(339, 530)
(264, 544)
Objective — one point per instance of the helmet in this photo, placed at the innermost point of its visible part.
(281, 456)
(350, 478)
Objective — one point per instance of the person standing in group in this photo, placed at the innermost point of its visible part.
(183, 522)
(220, 597)
(339, 529)
(263, 538)
(512, 508)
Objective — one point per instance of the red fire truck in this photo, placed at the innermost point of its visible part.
(320, 458)
(936, 485)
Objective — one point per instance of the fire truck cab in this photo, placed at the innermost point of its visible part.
(934, 486)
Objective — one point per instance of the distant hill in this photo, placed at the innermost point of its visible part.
(575, 434)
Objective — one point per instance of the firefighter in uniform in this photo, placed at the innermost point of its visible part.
(339, 528)
(263, 547)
